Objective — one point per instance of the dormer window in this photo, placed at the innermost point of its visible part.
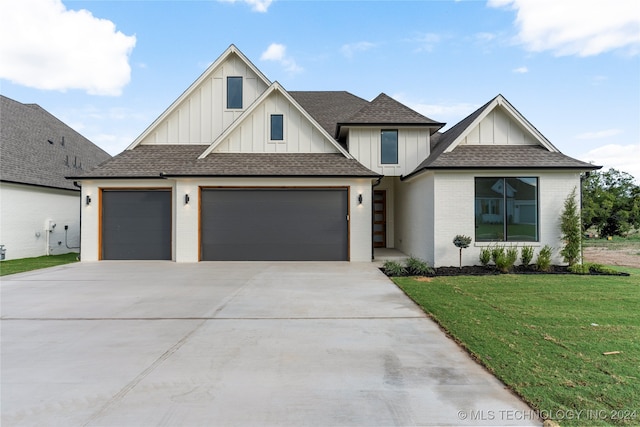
(234, 93)
(277, 127)
(389, 147)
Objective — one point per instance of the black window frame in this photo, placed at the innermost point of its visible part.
(507, 214)
(384, 161)
(233, 101)
(271, 127)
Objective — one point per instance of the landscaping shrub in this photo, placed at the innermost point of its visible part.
(591, 268)
(393, 268)
(543, 262)
(511, 256)
(496, 252)
(485, 256)
(526, 255)
(418, 267)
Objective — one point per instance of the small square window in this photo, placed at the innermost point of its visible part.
(234, 92)
(389, 147)
(277, 127)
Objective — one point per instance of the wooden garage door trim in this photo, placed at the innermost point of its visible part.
(100, 212)
(274, 187)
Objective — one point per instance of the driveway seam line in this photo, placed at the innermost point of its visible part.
(133, 383)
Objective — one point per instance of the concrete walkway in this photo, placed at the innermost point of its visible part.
(233, 344)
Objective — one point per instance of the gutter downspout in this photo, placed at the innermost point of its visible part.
(372, 213)
(75, 183)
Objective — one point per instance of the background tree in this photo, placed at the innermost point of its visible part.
(611, 203)
(571, 230)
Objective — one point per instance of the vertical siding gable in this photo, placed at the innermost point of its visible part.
(498, 128)
(253, 134)
(413, 148)
(203, 115)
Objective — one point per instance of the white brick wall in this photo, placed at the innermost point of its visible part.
(455, 211)
(24, 209)
(414, 217)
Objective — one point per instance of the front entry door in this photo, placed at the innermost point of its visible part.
(379, 219)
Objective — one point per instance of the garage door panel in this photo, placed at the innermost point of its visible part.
(136, 224)
(274, 225)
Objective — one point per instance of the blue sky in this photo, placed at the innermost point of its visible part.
(109, 68)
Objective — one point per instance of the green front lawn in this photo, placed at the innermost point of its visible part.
(27, 264)
(545, 335)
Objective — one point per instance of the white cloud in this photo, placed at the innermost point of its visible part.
(427, 41)
(45, 46)
(576, 27)
(256, 5)
(621, 157)
(484, 37)
(278, 53)
(349, 49)
(521, 70)
(599, 134)
(450, 113)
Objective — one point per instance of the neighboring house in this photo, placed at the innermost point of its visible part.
(238, 168)
(39, 208)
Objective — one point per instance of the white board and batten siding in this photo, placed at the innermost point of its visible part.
(203, 115)
(499, 129)
(413, 148)
(253, 134)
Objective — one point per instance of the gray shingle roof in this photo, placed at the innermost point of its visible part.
(491, 156)
(386, 110)
(27, 156)
(334, 109)
(150, 161)
(329, 108)
(502, 157)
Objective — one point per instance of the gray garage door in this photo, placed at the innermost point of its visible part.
(136, 224)
(274, 225)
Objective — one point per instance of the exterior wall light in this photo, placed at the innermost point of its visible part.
(186, 199)
(88, 200)
(359, 199)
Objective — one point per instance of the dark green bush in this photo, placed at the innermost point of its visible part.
(393, 268)
(543, 262)
(526, 255)
(485, 256)
(511, 256)
(418, 267)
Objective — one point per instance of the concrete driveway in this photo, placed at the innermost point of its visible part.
(226, 344)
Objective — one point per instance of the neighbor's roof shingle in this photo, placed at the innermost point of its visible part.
(150, 161)
(27, 156)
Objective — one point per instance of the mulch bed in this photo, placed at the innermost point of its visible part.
(478, 270)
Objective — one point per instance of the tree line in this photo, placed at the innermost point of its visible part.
(610, 203)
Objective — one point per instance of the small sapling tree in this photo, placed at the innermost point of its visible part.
(461, 242)
(571, 230)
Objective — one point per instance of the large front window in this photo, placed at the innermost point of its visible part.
(506, 209)
(389, 147)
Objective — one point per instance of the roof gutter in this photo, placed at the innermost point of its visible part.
(457, 168)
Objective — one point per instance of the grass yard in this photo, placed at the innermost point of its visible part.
(27, 264)
(545, 335)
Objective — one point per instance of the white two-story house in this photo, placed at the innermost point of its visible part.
(238, 168)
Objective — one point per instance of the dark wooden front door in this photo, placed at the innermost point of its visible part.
(380, 219)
